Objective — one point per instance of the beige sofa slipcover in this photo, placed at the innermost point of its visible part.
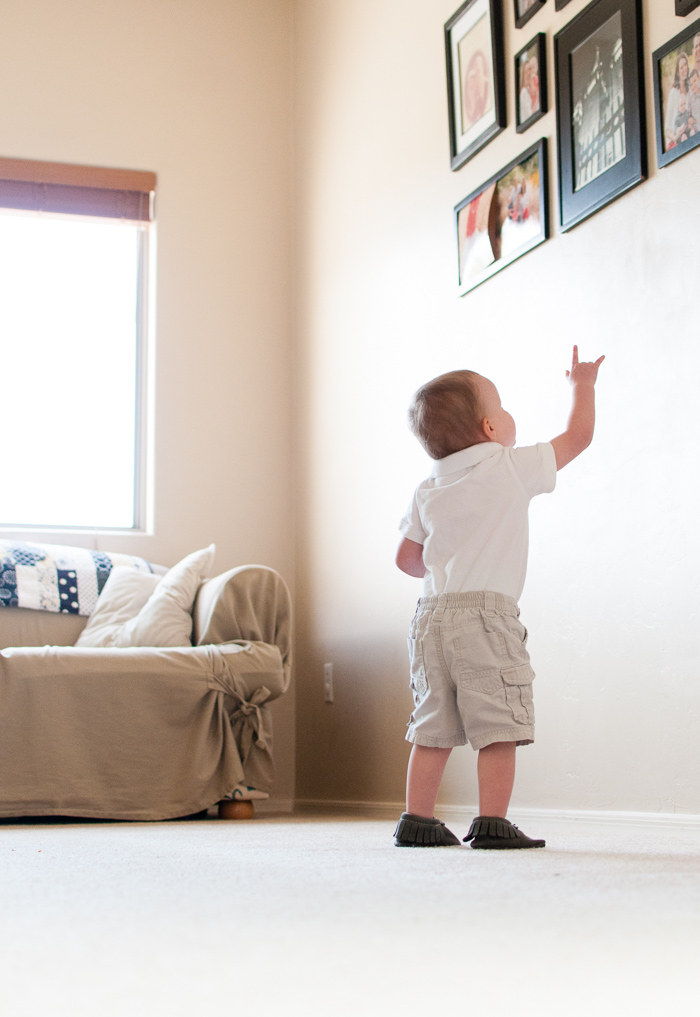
(144, 733)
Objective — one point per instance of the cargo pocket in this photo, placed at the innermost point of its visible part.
(518, 683)
(488, 682)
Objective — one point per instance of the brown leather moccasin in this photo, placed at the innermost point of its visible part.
(495, 833)
(418, 831)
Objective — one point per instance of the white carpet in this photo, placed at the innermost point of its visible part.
(300, 915)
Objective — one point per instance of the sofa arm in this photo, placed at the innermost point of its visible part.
(251, 602)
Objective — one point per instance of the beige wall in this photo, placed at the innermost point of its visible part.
(199, 92)
(611, 599)
(202, 94)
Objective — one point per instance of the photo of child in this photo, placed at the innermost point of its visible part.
(518, 197)
(528, 83)
(501, 222)
(475, 74)
(534, 83)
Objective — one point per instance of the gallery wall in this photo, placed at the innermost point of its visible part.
(612, 596)
(199, 93)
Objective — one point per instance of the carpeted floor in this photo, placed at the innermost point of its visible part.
(315, 915)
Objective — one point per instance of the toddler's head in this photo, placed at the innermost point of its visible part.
(694, 80)
(457, 410)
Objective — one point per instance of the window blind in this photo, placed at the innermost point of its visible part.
(77, 190)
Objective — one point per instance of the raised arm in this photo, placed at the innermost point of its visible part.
(579, 431)
(409, 558)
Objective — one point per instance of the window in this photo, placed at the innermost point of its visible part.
(74, 244)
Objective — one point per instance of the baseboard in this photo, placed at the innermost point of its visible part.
(378, 810)
(658, 821)
(268, 805)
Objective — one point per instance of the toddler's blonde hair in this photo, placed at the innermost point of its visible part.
(445, 414)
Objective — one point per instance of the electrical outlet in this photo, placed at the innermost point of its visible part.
(328, 683)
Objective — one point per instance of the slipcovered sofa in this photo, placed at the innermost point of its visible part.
(138, 732)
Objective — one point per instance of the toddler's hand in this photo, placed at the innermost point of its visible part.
(586, 372)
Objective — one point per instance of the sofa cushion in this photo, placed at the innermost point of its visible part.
(137, 609)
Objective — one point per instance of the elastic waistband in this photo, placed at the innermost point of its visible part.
(480, 600)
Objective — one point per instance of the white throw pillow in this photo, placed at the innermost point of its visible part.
(122, 597)
(155, 613)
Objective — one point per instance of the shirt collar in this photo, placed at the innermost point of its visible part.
(465, 458)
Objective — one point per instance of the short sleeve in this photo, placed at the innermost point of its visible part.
(411, 526)
(536, 467)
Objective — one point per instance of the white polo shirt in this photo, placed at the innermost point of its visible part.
(470, 515)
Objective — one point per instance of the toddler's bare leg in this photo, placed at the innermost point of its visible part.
(425, 769)
(496, 772)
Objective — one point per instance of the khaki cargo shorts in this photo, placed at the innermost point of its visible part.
(470, 672)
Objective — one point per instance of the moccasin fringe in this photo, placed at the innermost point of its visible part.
(496, 832)
(419, 831)
(492, 826)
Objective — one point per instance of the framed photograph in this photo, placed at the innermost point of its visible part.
(475, 78)
(684, 7)
(531, 83)
(504, 219)
(677, 95)
(600, 107)
(524, 10)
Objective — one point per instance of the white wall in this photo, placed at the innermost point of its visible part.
(198, 92)
(612, 595)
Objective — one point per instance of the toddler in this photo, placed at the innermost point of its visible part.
(466, 535)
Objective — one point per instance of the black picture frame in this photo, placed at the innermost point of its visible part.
(599, 63)
(519, 199)
(474, 53)
(559, 5)
(684, 7)
(669, 117)
(536, 49)
(522, 19)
